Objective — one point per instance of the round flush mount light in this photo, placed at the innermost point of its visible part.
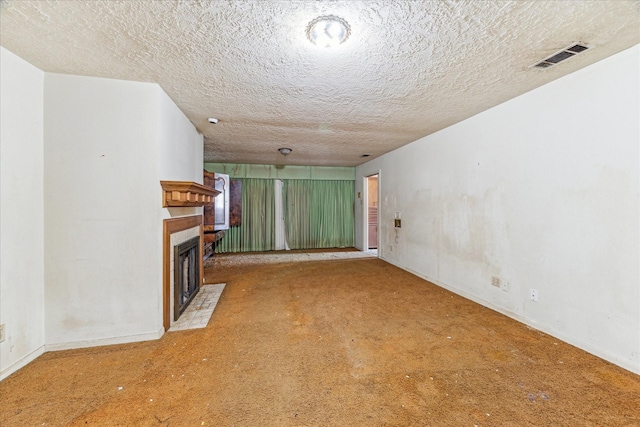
(285, 151)
(328, 31)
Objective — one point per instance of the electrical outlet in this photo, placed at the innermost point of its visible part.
(397, 223)
(533, 295)
(390, 248)
(505, 286)
(2, 332)
(495, 281)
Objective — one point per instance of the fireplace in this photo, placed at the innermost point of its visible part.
(182, 271)
(176, 233)
(186, 270)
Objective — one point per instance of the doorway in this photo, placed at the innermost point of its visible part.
(372, 213)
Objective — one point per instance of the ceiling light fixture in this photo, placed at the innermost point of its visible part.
(285, 151)
(328, 31)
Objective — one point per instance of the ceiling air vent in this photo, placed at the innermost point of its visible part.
(561, 55)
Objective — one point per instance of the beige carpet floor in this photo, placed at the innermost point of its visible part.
(353, 342)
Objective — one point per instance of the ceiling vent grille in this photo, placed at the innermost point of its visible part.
(561, 55)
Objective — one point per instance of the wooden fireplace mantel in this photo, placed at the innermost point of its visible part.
(186, 194)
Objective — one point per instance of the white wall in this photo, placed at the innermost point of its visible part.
(102, 210)
(180, 150)
(108, 144)
(180, 146)
(81, 216)
(21, 212)
(541, 192)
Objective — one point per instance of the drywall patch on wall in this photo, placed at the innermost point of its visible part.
(471, 227)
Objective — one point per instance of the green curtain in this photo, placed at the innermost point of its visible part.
(318, 214)
(257, 231)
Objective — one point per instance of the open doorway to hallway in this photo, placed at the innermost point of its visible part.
(372, 213)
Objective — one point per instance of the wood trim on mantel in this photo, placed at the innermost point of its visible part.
(170, 226)
(186, 194)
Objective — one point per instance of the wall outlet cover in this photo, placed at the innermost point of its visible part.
(533, 295)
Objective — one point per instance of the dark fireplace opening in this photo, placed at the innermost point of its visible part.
(186, 274)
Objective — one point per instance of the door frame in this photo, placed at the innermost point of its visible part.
(365, 211)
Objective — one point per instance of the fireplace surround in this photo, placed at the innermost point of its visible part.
(176, 231)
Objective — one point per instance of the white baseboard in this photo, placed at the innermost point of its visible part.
(104, 341)
(629, 365)
(24, 361)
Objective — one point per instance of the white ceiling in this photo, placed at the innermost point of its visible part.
(410, 68)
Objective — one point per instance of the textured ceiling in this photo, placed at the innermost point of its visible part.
(410, 68)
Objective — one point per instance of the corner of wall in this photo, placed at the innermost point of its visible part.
(22, 279)
(100, 243)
